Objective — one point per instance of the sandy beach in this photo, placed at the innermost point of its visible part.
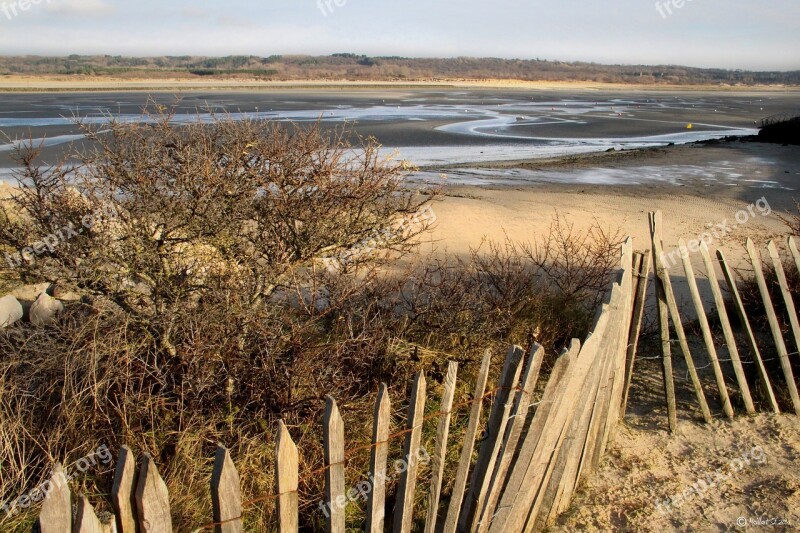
(55, 83)
(524, 210)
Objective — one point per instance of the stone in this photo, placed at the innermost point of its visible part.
(30, 292)
(45, 310)
(10, 311)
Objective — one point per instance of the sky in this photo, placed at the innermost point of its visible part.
(734, 34)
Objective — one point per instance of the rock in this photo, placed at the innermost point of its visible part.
(45, 310)
(10, 311)
(30, 292)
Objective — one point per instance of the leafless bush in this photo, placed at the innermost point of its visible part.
(509, 292)
(165, 215)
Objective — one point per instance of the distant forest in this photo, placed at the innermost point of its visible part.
(354, 67)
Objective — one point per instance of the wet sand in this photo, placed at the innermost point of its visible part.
(453, 124)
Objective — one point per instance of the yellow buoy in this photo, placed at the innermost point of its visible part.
(689, 126)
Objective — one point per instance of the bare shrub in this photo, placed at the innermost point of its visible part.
(163, 215)
(546, 290)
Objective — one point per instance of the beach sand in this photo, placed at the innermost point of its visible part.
(110, 83)
(705, 478)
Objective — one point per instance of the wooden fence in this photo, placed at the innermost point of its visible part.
(669, 312)
(527, 467)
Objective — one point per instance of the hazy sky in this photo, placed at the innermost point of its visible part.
(746, 34)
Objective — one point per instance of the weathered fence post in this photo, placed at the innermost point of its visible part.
(790, 242)
(226, 494)
(621, 347)
(737, 300)
(440, 451)
(775, 327)
(86, 520)
(663, 274)
(333, 431)
(513, 434)
(152, 499)
(705, 328)
(286, 480)
(376, 502)
(663, 321)
(510, 515)
(123, 492)
(404, 507)
(457, 496)
(56, 513)
(490, 447)
(730, 339)
(787, 295)
(642, 273)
